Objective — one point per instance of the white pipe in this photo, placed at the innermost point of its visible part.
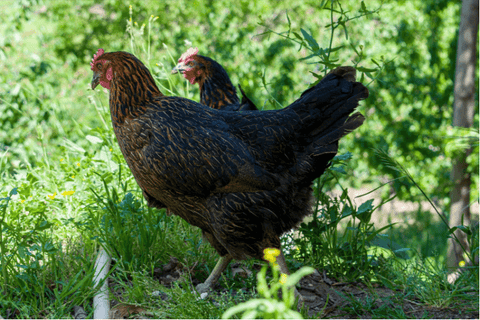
(101, 304)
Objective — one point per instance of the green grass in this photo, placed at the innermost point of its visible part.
(65, 188)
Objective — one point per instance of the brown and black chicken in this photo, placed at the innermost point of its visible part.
(216, 89)
(243, 178)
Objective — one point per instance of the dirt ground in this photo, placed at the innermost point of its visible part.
(345, 300)
(316, 287)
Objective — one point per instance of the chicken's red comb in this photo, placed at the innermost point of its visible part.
(188, 54)
(96, 56)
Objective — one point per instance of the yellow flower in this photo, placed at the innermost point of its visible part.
(272, 251)
(111, 149)
(67, 193)
(78, 164)
(283, 278)
(61, 160)
(73, 177)
(269, 258)
(271, 254)
(151, 16)
(461, 263)
(130, 7)
(22, 201)
(52, 196)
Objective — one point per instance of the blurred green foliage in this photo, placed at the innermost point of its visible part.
(46, 47)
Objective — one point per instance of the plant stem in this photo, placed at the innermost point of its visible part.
(3, 252)
(333, 30)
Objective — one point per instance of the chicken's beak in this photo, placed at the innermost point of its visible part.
(95, 80)
(179, 68)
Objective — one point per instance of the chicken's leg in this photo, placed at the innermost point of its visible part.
(215, 275)
(284, 269)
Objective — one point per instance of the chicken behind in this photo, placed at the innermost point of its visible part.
(216, 88)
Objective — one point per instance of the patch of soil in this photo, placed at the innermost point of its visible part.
(348, 300)
(324, 298)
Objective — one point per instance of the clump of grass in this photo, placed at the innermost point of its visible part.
(130, 231)
(350, 254)
(36, 268)
(269, 306)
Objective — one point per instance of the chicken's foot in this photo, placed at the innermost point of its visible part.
(215, 275)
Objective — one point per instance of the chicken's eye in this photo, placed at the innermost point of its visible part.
(99, 66)
(190, 64)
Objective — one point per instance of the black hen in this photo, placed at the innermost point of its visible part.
(243, 178)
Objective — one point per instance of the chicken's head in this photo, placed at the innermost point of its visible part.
(191, 65)
(102, 71)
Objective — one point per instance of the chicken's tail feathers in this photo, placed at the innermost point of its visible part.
(346, 72)
(317, 157)
(327, 113)
(326, 106)
(353, 122)
(328, 143)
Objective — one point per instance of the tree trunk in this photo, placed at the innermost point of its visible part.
(463, 114)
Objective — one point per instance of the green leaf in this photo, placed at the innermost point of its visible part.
(343, 157)
(93, 139)
(262, 286)
(362, 69)
(249, 305)
(374, 61)
(250, 314)
(339, 169)
(330, 63)
(308, 57)
(13, 192)
(463, 228)
(364, 212)
(22, 251)
(289, 22)
(299, 37)
(49, 247)
(316, 75)
(311, 41)
(347, 211)
(16, 90)
(43, 225)
(73, 146)
(336, 49)
(107, 177)
(293, 279)
(366, 206)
